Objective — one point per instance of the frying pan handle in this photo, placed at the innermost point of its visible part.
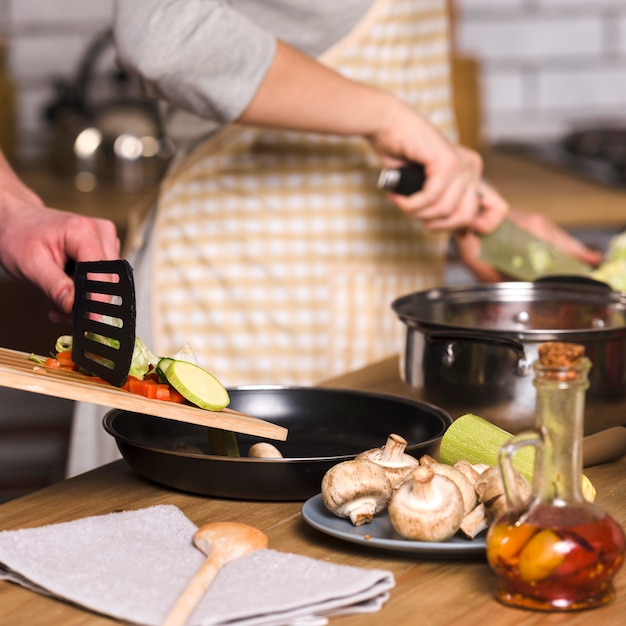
(450, 337)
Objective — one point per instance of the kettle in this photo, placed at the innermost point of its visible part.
(106, 134)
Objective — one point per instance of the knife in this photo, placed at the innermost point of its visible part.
(509, 248)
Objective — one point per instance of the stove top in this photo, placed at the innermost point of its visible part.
(596, 154)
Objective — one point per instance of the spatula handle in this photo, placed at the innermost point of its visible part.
(189, 598)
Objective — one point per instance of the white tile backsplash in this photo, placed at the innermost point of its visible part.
(593, 87)
(502, 91)
(532, 38)
(32, 60)
(544, 63)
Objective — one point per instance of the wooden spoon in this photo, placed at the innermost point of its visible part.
(221, 542)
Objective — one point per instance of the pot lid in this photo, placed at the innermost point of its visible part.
(518, 308)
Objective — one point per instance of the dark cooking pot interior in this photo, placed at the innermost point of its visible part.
(325, 427)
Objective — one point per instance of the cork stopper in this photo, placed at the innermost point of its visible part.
(557, 355)
(560, 354)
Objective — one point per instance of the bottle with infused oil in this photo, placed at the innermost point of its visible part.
(556, 551)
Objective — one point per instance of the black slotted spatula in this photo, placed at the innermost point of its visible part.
(104, 289)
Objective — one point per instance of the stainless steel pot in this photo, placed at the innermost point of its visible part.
(470, 348)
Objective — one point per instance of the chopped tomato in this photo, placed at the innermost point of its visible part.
(65, 356)
(65, 359)
(97, 379)
(175, 396)
(146, 388)
(62, 360)
(162, 391)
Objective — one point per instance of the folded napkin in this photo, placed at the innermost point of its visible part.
(133, 565)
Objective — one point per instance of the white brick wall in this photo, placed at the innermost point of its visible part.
(47, 39)
(546, 64)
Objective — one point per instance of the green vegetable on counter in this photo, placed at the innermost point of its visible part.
(476, 440)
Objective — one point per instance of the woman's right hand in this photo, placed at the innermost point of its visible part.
(452, 197)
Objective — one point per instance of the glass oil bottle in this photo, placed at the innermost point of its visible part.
(556, 551)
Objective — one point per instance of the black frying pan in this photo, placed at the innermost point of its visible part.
(325, 426)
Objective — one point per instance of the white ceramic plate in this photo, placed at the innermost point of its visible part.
(379, 534)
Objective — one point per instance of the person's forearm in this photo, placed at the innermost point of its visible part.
(13, 193)
(299, 93)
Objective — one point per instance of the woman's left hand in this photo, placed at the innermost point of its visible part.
(468, 244)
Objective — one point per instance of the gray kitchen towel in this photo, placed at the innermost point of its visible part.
(133, 565)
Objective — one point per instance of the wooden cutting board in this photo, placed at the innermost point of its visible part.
(17, 371)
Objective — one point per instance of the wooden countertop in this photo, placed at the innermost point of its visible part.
(105, 201)
(445, 593)
(569, 200)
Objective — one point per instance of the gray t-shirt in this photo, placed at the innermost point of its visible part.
(208, 57)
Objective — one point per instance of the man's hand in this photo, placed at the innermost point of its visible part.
(36, 242)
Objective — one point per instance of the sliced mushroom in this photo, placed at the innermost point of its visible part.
(264, 450)
(392, 458)
(470, 498)
(490, 490)
(471, 472)
(475, 521)
(356, 489)
(426, 507)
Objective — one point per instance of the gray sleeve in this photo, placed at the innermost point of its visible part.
(199, 55)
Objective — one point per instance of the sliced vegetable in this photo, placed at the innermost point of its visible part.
(162, 367)
(203, 389)
(143, 359)
(197, 385)
(476, 440)
(63, 344)
(65, 358)
(176, 397)
(35, 358)
(223, 442)
(185, 354)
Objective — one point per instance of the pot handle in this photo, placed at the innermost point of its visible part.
(523, 364)
(572, 279)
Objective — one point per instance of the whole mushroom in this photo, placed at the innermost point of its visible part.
(356, 489)
(392, 458)
(470, 498)
(426, 507)
(264, 450)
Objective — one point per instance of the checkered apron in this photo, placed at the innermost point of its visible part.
(276, 258)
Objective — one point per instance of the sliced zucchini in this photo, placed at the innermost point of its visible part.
(162, 367)
(223, 442)
(196, 385)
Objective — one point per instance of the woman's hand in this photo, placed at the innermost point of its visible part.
(298, 93)
(36, 242)
(468, 244)
(453, 196)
